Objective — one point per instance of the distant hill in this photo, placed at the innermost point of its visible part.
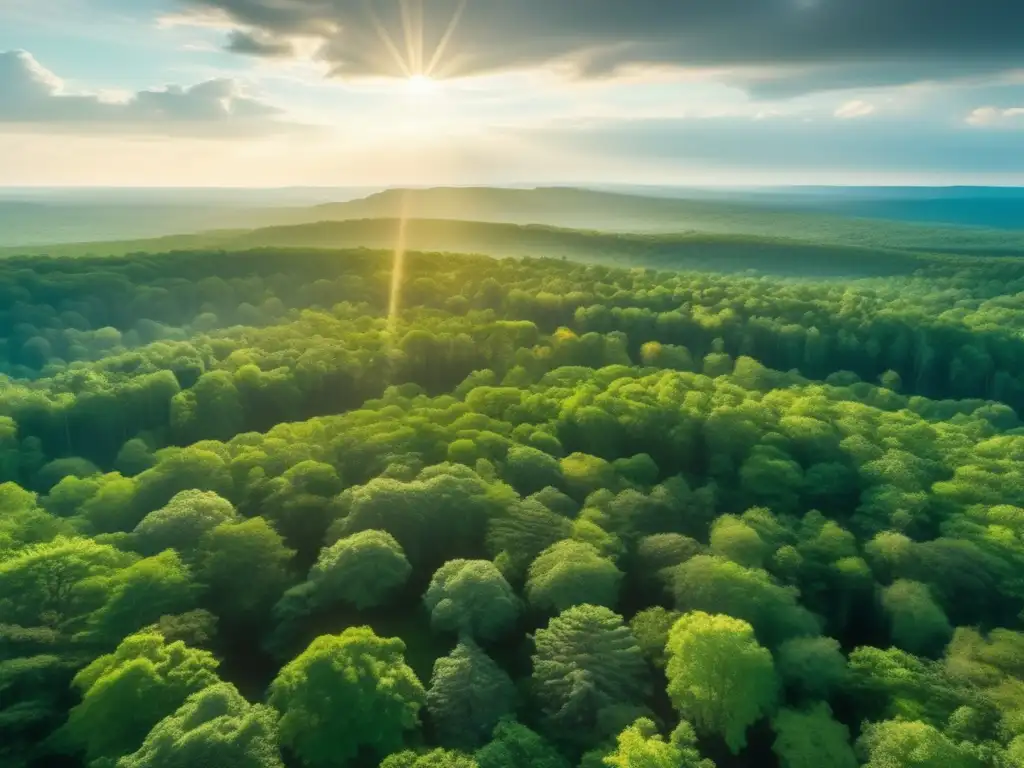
(812, 215)
(762, 215)
(717, 252)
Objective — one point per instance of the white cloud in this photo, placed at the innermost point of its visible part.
(33, 95)
(854, 109)
(988, 117)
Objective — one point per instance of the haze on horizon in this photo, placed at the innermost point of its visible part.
(356, 93)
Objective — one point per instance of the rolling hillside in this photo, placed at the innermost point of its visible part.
(804, 217)
(719, 252)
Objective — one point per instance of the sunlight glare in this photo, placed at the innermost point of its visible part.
(421, 85)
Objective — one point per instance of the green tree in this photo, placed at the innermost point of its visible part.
(344, 693)
(572, 573)
(214, 727)
(651, 628)
(657, 554)
(139, 595)
(182, 522)
(812, 667)
(911, 744)
(126, 693)
(468, 695)
(437, 758)
(918, 624)
(516, 746)
(812, 738)
(734, 540)
(515, 538)
(641, 746)
(529, 470)
(471, 597)
(587, 663)
(364, 570)
(235, 589)
(52, 583)
(708, 583)
(719, 677)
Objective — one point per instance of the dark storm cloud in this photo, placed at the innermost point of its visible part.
(34, 95)
(815, 44)
(252, 45)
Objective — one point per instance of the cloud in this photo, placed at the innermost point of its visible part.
(995, 117)
(253, 44)
(34, 95)
(808, 44)
(854, 109)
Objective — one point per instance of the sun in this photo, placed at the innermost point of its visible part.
(421, 85)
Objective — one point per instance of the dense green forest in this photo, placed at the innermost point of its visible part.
(265, 508)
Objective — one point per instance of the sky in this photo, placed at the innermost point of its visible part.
(275, 93)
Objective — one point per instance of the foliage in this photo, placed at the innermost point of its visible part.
(572, 573)
(640, 746)
(373, 699)
(363, 569)
(719, 677)
(215, 726)
(467, 697)
(183, 436)
(586, 664)
(811, 738)
(126, 693)
(471, 597)
(516, 746)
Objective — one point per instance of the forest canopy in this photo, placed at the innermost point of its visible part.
(546, 514)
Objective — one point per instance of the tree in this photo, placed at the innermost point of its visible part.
(812, 738)
(211, 408)
(195, 628)
(215, 727)
(442, 514)
(719, 677)
(572, 573)
(373, 699)
(515, 538)
(733, 539)
(471, 597)
(586, 663)
(707, 583)
(363, 569)
(49, 583)
(298, 503)
(181, 523)
(196, 467)
(126, 693)
(651, 628)
(1015, 752)
(437, 758)
(134, 457)
(656, 555)
(468, 695)
(529, 470)
(918, 624)
(236, 590)
(140, 594)
(585, 473)
(516, 746)
(911, 744)
(640, 746)
(812, 667)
